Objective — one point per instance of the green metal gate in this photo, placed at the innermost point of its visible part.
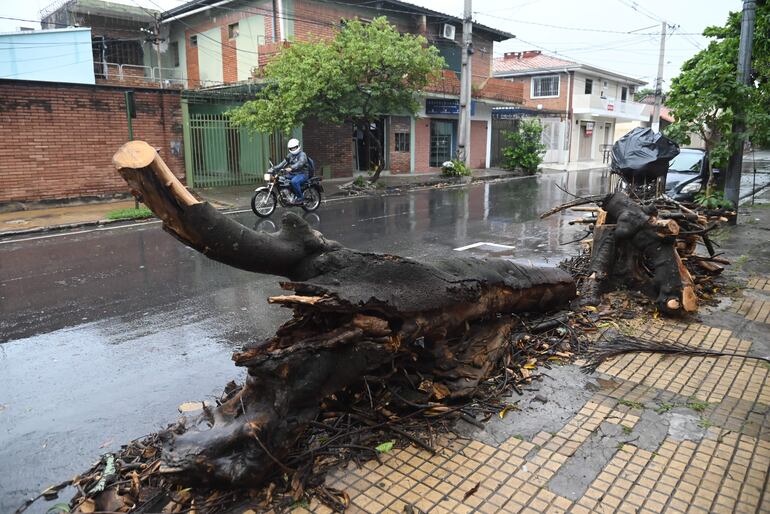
(224, 155)
(217, 153)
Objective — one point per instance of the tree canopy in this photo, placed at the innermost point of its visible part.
(367, 70)
(705, 96)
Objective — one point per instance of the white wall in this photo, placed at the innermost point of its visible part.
(210, 57)
(252, 34)
(611, 90)
(57, 55)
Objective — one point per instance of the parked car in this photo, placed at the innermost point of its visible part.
(688, 173)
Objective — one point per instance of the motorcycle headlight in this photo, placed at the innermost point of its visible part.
(692, 187)
(268, 177)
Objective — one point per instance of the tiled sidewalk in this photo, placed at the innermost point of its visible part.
(659, 434)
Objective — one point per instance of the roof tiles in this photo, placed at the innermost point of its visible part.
(529, 61)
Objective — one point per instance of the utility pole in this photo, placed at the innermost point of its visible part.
(659, 80)
(157, 48)
(153, 37)
(733, 178)
(464, 129)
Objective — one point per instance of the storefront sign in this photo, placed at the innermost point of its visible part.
(515, 113)
(446, 106)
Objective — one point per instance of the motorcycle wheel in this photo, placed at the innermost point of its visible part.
(263, 203)
(312, 199)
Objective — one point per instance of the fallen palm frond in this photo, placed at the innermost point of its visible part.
(604, 350)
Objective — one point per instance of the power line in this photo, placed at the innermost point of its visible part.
(559, 68)
(641, 10)
(581, 29)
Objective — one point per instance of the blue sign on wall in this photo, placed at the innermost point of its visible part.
(446, 106)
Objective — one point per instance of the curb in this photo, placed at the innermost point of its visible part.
(231, 209)
(71, 226)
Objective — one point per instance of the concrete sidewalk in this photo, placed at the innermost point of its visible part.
(225, 198)
(646, 433)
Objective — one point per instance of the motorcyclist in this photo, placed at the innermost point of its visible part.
(298, 165)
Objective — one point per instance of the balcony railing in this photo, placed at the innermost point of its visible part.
(593, 104)
(151, 76)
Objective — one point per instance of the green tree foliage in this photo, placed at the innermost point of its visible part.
(645, 91)
(525, 149)
(704, 97)
(366, 71)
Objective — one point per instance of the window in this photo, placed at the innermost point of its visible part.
(623, 94)
(589, 86)
(451, 53)
(193, 41)
(233, 31)
(402, 141)
(545, 86)
(174, 49)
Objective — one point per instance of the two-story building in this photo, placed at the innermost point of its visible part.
(579, 105)
(209, 43)
(118, 34)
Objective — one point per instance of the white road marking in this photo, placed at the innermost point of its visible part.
(482, 243)
(66, 232)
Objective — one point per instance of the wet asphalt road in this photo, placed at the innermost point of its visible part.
(104, 333)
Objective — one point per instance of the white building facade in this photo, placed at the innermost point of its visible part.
(579, 105)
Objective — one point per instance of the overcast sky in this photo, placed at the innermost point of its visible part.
(619, 35)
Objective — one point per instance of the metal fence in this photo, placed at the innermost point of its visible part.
(225, 155)
(133, 73)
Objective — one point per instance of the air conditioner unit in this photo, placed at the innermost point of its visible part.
(448, 32)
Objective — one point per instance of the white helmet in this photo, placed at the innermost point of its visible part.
(293, 146)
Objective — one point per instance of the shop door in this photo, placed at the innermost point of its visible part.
(586, 140)
(500, 127)
(551, 139)
(441, 142)
(368, 151)
(608, 134)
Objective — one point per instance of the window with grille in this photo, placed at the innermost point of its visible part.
(233, 31)
(589, 86)
(545, 86)
(123, 52)
(402, 141)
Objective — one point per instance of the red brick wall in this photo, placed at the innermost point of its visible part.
(58, 140)
(399, 161)
(193, 69)
(422, 145)
(557, 104)
(222, 18)
(481, 60)
(329, 145)
(229, 60)
(478, 144)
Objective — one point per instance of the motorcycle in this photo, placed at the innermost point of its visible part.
(279, 190)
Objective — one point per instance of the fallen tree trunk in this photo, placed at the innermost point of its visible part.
(355, 313)
(639, 246)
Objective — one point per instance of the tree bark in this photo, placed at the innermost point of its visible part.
(637, 248)
(354, 313)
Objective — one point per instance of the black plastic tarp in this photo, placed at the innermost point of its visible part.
(642, 155)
